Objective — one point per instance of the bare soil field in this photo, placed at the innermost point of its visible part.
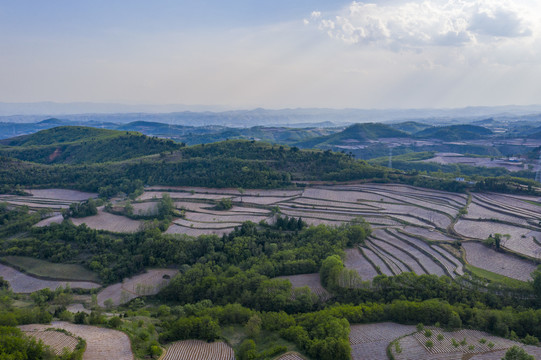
(355, 260)
(370, 341)
(521, 239)
(56, 340)
(22, 283)
(149, 283)
(62, 194)
(56, 219)
(109, 222)
(101, 343)
(198, 350)
(483, 257)
(450, 345)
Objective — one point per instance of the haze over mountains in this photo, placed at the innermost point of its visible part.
(207, 115)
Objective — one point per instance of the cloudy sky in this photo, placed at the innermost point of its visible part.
(273, 54)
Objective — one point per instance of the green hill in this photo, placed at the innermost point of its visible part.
(454, 133)
(410, 127)
(233, 163)
(78, 144)
(61, 134)
(357, 133)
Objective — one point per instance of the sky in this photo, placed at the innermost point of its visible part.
(273, 54)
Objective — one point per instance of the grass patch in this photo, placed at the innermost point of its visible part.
(533, 202)
(497, 278)
(45, 269)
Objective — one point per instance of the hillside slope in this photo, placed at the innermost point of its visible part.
(78, 145)
(357, 133)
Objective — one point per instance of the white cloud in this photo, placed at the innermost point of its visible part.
(416, 24)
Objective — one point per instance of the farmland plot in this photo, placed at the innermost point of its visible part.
(108, 222)
(476, 211)
(370, 341)
(403, 257)
(521, 240)
(429, 234)
(149, 195)
(22, 283)
(333, 204)
(342, 196)
(149, 283)
(380, 265)
(446, 254)
(460, 199)
(513, 204)
(453, 344)
(56, 340)
(145, 208)
(355, 260)
(198, 350)
(228, 191)
(101, 343)
(428, 264)
(423, 203)
(56, 219)
(311, 280)
(396, 266)
(62, 194)
(425, 248)
(504, 264)
(213, 218)
(498, 355)
(260, 200)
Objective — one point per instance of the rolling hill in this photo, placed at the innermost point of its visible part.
(354, 134)
(78, 145)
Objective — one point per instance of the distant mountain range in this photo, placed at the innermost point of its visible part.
(203, 115)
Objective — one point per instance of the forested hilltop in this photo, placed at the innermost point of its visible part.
(110, 161)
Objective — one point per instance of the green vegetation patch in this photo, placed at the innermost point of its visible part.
(496, 278)
(50, 270)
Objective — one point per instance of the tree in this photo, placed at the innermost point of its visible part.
(224, 204)
(454, 321)
(253, 326)
(247, 350)
(517, 353)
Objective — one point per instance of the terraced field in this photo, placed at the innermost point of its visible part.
(101, 343)
(109, 222)
(504, 264)
(356, 260)
(22, 283)
(55, 199)
(149, 283)
(56, 340)
(198, 350)
(408, 222)
(370, 341)
(394, 252)
(450, 345)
